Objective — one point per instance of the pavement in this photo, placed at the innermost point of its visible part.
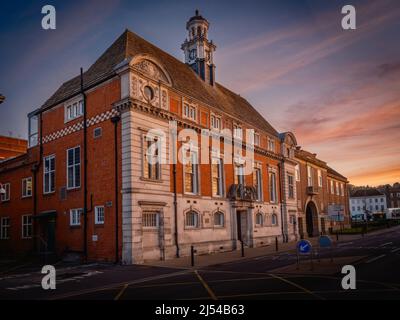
(262, 274)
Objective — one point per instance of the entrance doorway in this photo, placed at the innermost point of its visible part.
(311, 219)
(241, 218)
(46, 224)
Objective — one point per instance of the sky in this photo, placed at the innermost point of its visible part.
(337, 90)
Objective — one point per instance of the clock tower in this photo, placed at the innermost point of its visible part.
(198, 49)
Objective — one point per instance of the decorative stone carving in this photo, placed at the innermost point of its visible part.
(151, 70)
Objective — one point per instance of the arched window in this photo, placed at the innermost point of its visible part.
(219, 219)
(274, 219)
(192, 219)
(259, 219)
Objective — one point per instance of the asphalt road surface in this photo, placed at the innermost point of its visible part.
(377, 275)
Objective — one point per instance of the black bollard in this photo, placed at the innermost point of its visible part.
(242, 245)
(276, 244)
(337, 235)
(192, 255)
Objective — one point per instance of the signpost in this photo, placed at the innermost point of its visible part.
(304, 247)
(325, 242)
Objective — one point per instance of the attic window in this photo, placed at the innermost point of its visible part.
(74, 110)
(215, 122)
(189, 111)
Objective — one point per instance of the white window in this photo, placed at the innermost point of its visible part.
(219, 219)
(75, 217)
(259, 219)
(272, 187)
(99, 215)
(27, 187)
(74, 110)
(74, 168)
(216, 122)
(256, 139)
(191, 169)
(33, 129)
(5, 228)
(49, 174)
(192, 219)
(239, 174)
(332, 188)
(152, 159)
(257, 183)
(26, 226)
(217, 177)
(237, 132)
(6, 195)
(189, 112)
(309, 176)
(337, 185)
(290, 186)
(274, 219)
(271, 144)
(319, 178)
(297, 172)
(150, 219)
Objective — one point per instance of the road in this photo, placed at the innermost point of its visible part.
(255, 278)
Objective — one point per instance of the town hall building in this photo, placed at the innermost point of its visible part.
(103, 176)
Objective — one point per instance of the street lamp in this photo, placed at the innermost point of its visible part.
(2, 98)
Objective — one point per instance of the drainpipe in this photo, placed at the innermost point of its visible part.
(115, 121)
(85, 191)
(175, 211)
(35, 170)
(281, 181)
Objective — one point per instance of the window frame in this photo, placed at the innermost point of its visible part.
(27, 226)
(195, 182)
(7, 196)
(320, 181)
(259, 183)
(220, 178)
(74, 166)
(220, 216)
(5, 228)
(73, 109)
(73, 222)
(196, 220)
(258, 216)
(147, 173)
(97, 221)
(157, 215)
(24, 193)
(274, 220)
(291, 194)
(49, 173)
(273, 197)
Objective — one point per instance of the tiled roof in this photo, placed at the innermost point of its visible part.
(335, 173)
(184, 79)
(370, 192)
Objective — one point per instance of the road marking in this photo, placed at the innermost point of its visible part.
(375, 258)
(297, 286)
(205, 285)
(385, 244)
(117, 285)
(119, 295)
(395, 250)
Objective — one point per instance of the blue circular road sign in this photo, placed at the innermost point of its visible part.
(325, 241)
(304, 246)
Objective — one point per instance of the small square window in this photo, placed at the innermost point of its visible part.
(97, 132)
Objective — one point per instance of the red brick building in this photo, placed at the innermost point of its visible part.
(93, 189)
(11, 147)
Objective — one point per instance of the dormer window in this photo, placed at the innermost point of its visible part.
(271, 145)
(73, 110)
(237, 131)
(256, 139)
(189, 111)
(216, 122)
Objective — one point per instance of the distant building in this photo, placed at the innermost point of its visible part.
(367, 203)
(11, 147)
(392, 194)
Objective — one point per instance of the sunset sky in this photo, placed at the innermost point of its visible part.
(337, 90)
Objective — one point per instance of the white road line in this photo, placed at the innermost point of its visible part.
(385, 244)
(395, 250)
(375, 258)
